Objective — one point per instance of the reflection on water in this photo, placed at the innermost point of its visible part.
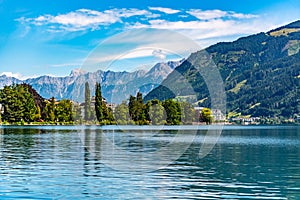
(72, 163)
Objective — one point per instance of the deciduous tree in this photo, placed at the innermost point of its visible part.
(206, 116)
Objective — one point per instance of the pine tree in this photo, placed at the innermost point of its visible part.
(132, 107)
(140, 110)
(99, 103)
(87, 102)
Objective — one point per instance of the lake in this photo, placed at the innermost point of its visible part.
(132, 162)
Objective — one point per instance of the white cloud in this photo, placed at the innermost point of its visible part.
(11, 74)
(242, 16)
(211, 30)
(67, 65)
(84, 19)
(199, 26)
(73, 21)
(207, 24)
(126, 13)
(165, 10)
(137, 53)
(217, 14)
(139, 43)
(158, 53)
(17, 75)
(207, 14)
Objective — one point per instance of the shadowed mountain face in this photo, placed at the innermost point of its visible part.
(116, 86)
(261, 74)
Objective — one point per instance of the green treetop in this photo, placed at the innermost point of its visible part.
(18, 104)
(206, 116)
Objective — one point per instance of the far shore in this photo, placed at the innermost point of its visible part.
(194, 124)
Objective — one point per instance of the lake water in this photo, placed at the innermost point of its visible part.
(250, 162)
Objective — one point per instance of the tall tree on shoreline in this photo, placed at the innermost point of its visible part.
(99, 103)
(132, 107)
(137, 109)
(103, 112)
(87, 102)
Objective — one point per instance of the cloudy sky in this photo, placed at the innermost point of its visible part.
(54, 37)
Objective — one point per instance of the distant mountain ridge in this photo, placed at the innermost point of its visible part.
(261, 74)
(116, 86)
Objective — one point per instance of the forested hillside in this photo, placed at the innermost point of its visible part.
(261, 74)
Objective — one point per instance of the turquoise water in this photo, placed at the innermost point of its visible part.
(127, 163)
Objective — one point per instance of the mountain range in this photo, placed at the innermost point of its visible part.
(116, 86)
(260, 74)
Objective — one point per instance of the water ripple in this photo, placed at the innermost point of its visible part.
(53, 163)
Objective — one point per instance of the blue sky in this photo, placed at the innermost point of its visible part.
(54, 37)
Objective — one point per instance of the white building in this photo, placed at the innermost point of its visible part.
(218, 115)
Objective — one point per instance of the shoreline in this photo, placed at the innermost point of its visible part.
(128, 125)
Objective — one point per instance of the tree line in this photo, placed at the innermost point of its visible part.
(99, 111)
(136, 112)
(22, 104)
(155, 112)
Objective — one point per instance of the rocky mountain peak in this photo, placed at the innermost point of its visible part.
(116, 86)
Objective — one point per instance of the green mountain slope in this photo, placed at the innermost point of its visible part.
(261, 74)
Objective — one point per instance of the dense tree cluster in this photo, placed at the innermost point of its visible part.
(137, 109)
(18, 104)
(95, 108)
(121, 114)
(61, 111)
(38, 99)
(21, 103)
(154, 112)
